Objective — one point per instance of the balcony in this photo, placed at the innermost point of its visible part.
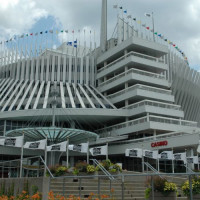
(146, 123)
(141, 92)
(155, 107)
(134, 76)
(143, 61)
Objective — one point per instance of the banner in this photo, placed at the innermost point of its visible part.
(83, 147)
(192, 160)
(134, 153)
(166, 155)
(198, 148)
(35, 145)
(180, 156)
(150, 154)
(96, 151)
(58, 147)
(12, 141)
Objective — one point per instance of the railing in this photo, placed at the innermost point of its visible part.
(103, 169)
(15, 165)
(136, 71)
(132, 53)
(124, 189)
(141, 87)
(150, 118)
(153, 103)
(151, 168)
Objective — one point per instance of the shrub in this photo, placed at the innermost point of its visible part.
(195, 186)
(81, 166)
(106, 164)
(60, 170)
(91, 169)
(75, 171)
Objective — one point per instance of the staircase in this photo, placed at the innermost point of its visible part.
(133, 190)
(134, 187)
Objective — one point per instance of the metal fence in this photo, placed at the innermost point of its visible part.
(122, 181)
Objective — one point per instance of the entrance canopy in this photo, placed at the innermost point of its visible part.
(54, 134)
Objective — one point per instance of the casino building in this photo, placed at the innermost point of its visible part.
(130, 92)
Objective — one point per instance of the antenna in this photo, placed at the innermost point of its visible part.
(103, 37)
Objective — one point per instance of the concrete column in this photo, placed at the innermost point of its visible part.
(190, 152)
(154, 134)
(71, 161)
(4, 128)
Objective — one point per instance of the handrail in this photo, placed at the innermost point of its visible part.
(141, 87)
(188, 169)
(103, 169)
(152, 168)
(136, 71)
(153, 103)
(132, 53)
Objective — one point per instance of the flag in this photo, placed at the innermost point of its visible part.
(150, 154)
(156, 33)
(58, 147)
(147, 28)
(22, 36)
(198, 148)
(120, 7)
(0, 42)
(57, 32)
(31, 34)
(159, 35)
(129, 16)
(61, 31)
(50, 31)
(101, 150)
(75, 46)
(165, 40)
(114, 6)
(166, 155)
(144, 25)
(66, 31)
(147, 14)
(75, 42)
(12, 141)
(83, 147)
(192, 159)
(10, 39)
(125, 11)
(46, 31)
(72, 31)
(36, 145)
(152, 30)
(69, 43)
(180, 156)
(27, 35)
(139, 22)
(134, 153)
(134, 19)
(36, 34)
(6, 40)
(41, 32)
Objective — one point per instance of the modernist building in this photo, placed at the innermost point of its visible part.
(131, 91)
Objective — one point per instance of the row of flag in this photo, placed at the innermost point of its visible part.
(62, 147)
(15, 37)
(165, 155)
(161, 36)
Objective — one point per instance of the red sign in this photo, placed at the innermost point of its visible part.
(159, 144)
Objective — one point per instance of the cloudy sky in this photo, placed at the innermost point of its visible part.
(178, 20)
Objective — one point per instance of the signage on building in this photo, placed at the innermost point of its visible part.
(159, 144)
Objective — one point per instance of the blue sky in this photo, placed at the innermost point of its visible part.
(178, 20)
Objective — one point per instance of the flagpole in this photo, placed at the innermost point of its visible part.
(22, 152)
(88, 153)
(107, 151)
(172, 161)
(198, 159)
(67, 152)
(142, 161)
(186, 164)
(45, 158)
(153, 27)
(158, 162)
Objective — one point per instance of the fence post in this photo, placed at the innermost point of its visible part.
(99, 186)
(190, 185)
(152, 187)
(63, 187)
(122, 177)
(80, 182)
(110, 186)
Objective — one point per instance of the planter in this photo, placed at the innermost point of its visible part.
(195, 197)
(160, 196)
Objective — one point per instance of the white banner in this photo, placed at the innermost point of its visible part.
(134, 153)
(192, 159)
(101, 150)
(166, 155)
(35, 145)
(150, 154)
(83, 147)
(180, 156)
(198, 148)
(58, 147)
(12, 141)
